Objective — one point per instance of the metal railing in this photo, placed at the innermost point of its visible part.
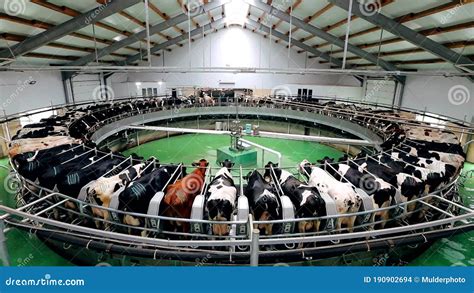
(43, 207)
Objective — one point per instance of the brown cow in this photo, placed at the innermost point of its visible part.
(179, 197)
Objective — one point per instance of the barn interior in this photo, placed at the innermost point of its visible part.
(247, 81)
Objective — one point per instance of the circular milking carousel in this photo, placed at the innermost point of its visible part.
(394, 193)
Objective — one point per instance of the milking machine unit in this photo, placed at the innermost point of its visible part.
(235, 136)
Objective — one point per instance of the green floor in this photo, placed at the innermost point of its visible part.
(27, 250)
(192, 147)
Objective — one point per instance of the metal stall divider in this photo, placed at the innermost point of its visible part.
(243, 208)
(198, 208)
(287, 207)
(243, 211)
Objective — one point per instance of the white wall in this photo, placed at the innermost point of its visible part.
(86, 87)
(452, 97)
(232, 47)
(337, 91)
(18, 93)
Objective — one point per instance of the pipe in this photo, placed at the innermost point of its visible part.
(265, 257)
(278, 154)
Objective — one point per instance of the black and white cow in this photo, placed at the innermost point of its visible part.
(40, 132)
(221, 198)
(56, 173)
(136, 197)
(31, 164)
(306, 199)
(433, 180)
(263, 200)
(346, 198)
(381, 192)
(102, 189)
(72, 183)
(454, 159)
(410, 187)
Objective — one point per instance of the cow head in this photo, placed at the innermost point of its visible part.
(227, 164)
(268, 172)
(305, 168)
(326, 160)
(201, 164)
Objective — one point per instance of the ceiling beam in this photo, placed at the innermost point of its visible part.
(184, 8)
(316, 52)
(72, 25)
(315, 15)
(426, 32)
(344, 21)
(45, 26)
(163, 15)
(289, 10)
(142, 35)
(409, 17)
(74, 13)
(451, 45)
(132, 19)
(408, 34)
(324, 35)
(413, 62)
(354, 17)
(412, 16)
(174, 41)
(21, 38)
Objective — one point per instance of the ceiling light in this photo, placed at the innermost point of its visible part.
(118, 38)
(138, 84)
(236, 12)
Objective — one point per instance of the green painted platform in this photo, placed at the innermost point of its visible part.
(244, 158)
